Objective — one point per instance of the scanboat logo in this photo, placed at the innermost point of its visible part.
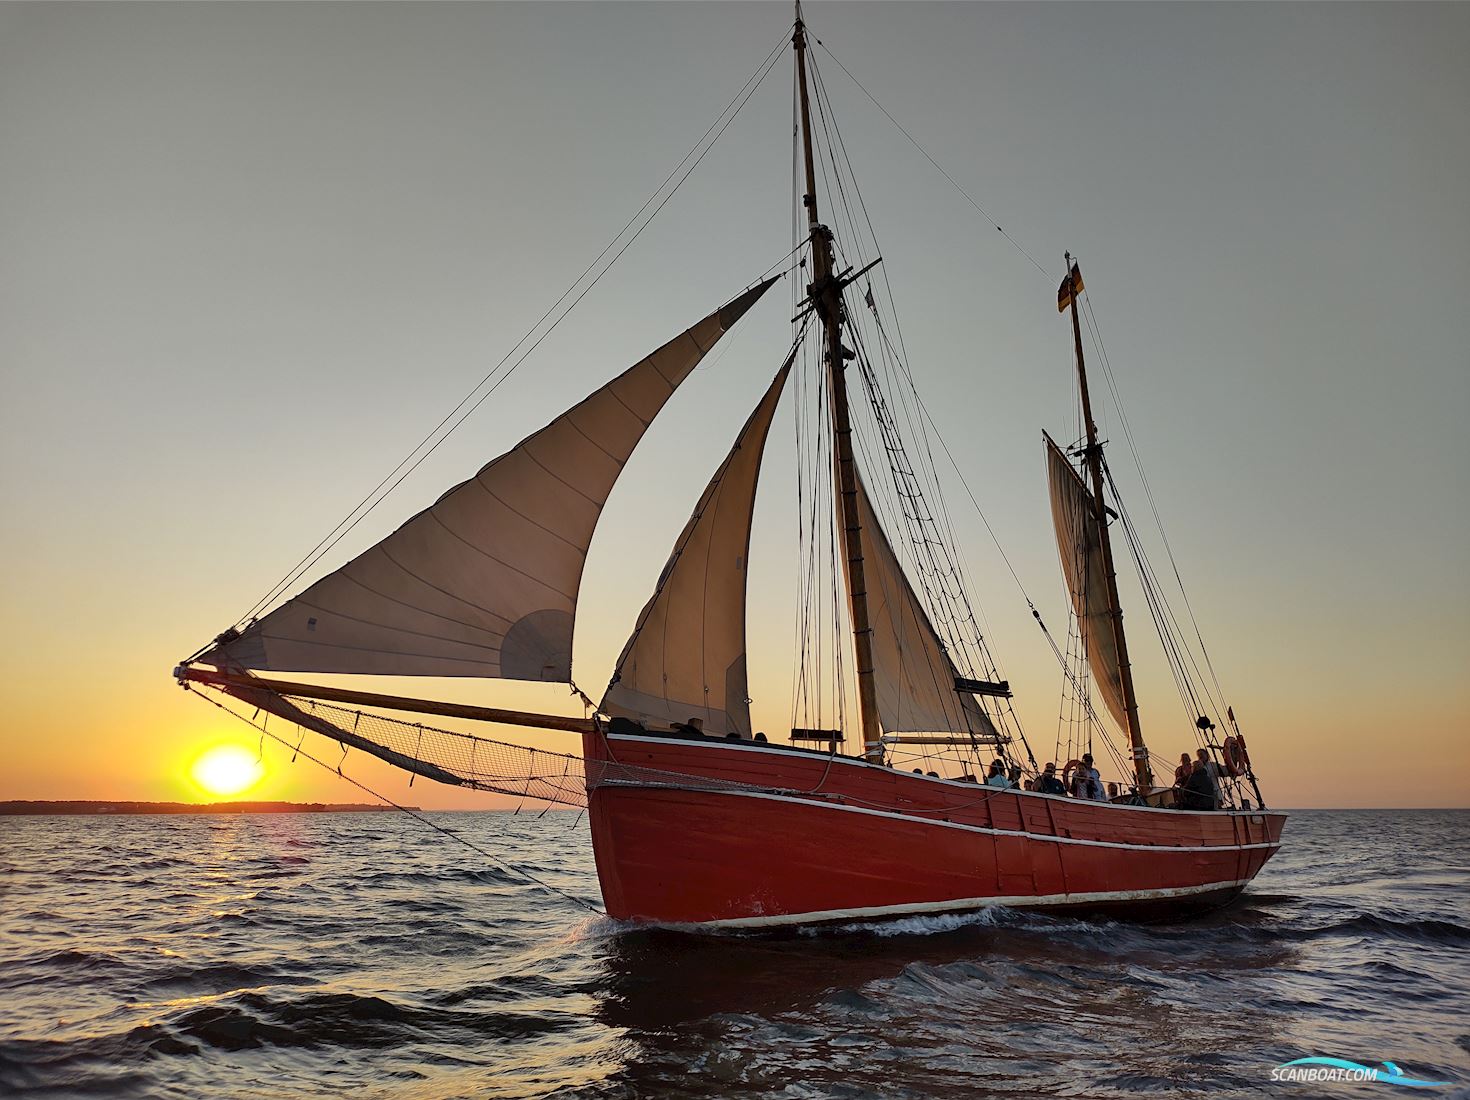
(1320, 1070)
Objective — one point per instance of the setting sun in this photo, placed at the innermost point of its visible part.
(227, 769)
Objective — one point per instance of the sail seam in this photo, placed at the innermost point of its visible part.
(442, 591)
(632, 411)
(571, 420)
(701, 348)
(516, 511)
(371, 649)
(399, 629)
(557, 477)
(414, 607)
(491, 557)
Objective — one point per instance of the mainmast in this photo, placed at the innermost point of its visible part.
(1092, 458)
(825, 296)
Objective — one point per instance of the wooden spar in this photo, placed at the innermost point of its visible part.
(825, 295)
(942, 739)
(826, 736)
(1092, 456)
(387, 702)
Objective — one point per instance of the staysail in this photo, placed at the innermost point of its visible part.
(1074, 515)
(913, 672)
(686, 657)
(484, 582)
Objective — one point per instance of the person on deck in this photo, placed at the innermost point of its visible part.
(1076, 779)
(997, 776)
(1092, 787)
(1049, 783)
(1213, 771)
(1198, 792)
(1015, 775)
(1181, 773)
(692, 728)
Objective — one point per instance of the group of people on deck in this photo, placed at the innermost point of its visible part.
(1086, 781)
(1196, 779)
(1196, 782)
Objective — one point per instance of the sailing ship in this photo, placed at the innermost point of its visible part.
(695, 817)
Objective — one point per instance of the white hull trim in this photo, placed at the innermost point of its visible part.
(855, 762)
(967, 905)
(920, 819)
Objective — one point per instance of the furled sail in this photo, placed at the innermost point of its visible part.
(686, 658)
(1075, 517)
(484, 581)
(913, 673)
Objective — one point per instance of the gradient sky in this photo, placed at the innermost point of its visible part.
(249, 254)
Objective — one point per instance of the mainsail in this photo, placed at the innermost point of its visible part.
(484, 582)
(912, 670)
(1074, 515)
(686, 657)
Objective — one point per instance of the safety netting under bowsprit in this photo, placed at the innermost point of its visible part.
(445, 756)
(464, 760)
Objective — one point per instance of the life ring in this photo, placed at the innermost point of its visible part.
(1237, 760)
(1067, 770)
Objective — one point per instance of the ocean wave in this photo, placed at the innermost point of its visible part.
(65, 963)
(223, 977)
(938, 924)
(345, 1020)
(1424, 930)
(60, 1069)
(507, 987)
(394, 968)
(487, 876)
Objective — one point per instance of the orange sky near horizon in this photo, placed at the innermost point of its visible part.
(250, 253)
(133, 735)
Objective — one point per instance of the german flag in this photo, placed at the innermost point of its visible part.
(1071, 286)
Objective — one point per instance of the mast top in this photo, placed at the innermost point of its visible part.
(825, 296)
(1067, 295)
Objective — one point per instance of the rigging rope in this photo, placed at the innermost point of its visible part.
(1071, 675)
(409, 462)
(1096, 334)
(1179, 652)
(297, 750)
(968, 198)
(931, 536)
(944, 602)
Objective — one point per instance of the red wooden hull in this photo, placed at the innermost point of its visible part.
(762, 836)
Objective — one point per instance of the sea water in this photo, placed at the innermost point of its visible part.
(367, 955)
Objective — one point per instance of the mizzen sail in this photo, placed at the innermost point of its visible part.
(686, 658)
(484, 582)
(1074, 514)
(912, 670)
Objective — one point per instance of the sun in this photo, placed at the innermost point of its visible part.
(227, 769)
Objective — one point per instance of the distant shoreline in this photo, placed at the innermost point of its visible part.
(21, 808)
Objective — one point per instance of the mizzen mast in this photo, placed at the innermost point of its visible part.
(1092, 459)
(825, 296)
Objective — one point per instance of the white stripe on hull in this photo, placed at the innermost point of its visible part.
(852, 761)
(967, 905)
(915, 818)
